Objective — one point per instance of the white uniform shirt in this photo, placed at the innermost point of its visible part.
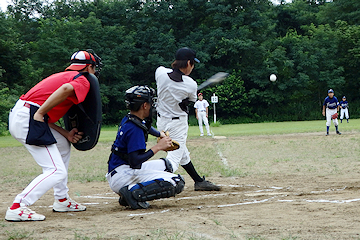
(201, 105)
(171, 93)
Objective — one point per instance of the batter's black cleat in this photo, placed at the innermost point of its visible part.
(206, 186)
(327, 134)
(126, 196)
(337, 132)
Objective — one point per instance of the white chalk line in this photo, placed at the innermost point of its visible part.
(223, 158)
(246, 193)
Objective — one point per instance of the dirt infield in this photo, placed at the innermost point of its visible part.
(297, 186)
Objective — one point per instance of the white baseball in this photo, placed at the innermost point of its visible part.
(273, 77)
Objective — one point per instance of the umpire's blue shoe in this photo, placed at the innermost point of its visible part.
(126, 199)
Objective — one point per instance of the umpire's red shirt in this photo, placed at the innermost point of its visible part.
(41, 91)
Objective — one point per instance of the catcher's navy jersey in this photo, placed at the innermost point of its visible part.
(344, 104)
(331, 103)
(129, 138)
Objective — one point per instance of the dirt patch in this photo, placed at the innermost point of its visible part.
(303, 186)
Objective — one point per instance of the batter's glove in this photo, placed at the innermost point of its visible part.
(174, 144)
(334, 116)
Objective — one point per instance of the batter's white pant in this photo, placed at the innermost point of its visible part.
(330, 112)
(202, 118)
(178, 129)
(149, 171)
(53, 159)
(344, 112)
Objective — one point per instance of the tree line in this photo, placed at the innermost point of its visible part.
(311, 45)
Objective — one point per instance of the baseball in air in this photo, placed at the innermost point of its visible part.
(273, 77)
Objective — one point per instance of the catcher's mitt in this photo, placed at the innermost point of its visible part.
(334, 116)
(174, 144)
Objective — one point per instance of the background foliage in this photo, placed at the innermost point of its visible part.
(310, 45)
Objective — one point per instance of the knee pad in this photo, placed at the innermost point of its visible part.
(155, 189)
(168, 165)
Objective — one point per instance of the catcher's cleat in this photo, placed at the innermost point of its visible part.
(23, 213)
(337, 132)
(123, 202)
(206, 186)
(125, 195)
(68, 206)
(327, 134)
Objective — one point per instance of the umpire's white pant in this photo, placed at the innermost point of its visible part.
(344, 112)
(330, 112)
(149, 171)
(202, 118)
(178, 129)
(54, 159)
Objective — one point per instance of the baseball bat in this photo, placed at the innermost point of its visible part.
(214, 79)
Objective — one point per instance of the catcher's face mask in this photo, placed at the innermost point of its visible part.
(98, 63)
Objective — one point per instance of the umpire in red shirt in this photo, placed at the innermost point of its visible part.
(31, 122)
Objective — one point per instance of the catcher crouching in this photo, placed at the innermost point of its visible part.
(130, 175)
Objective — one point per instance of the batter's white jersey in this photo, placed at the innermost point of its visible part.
(170, 116)
(171, 93)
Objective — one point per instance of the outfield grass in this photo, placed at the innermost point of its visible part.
(108, 133)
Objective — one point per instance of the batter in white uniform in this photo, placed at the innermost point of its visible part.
(202, 113)
(175, 89)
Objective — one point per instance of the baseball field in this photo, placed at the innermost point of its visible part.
(279, 181)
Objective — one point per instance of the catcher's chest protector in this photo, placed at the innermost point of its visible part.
(86, 116)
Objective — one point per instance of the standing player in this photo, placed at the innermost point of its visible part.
(130, 175)
(175, 90)
(31, 122)
(344, 109)
(202, 113)
(331, 105)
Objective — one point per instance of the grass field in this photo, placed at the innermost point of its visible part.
(108, 133)
(280, 181)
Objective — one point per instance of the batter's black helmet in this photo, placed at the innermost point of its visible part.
(137, 95)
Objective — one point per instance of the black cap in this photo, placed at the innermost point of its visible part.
(186, 53)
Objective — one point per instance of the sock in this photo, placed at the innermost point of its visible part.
(336, 128)
(15, 206)
(190, 169)
(62, 200)
(327, 128)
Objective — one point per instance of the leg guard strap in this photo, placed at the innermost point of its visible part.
(168, 166)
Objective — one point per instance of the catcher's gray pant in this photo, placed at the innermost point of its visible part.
(330, 112)
(344, 112)
(149, 171)
(54, 159)
(202, 118)
(178, 129)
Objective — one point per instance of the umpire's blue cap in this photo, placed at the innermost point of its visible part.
(330, 90)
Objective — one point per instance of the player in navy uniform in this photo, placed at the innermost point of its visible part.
(344, 109)
(130, 175)
(331, 104)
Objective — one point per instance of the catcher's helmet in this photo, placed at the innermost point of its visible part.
(137, 95)
(81, 59)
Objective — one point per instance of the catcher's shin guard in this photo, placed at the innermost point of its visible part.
(157, 189)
